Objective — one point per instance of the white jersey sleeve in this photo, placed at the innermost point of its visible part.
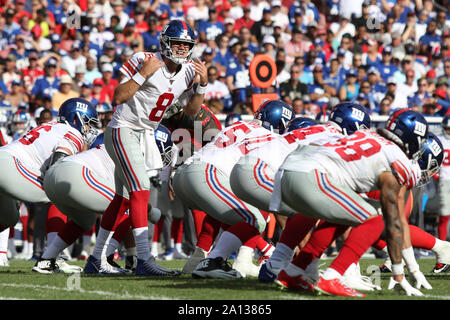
(230, 144)
(72, 141)
(444, 173)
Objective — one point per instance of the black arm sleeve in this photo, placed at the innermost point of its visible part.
(56, 156)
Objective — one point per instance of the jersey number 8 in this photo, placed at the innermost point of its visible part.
(163, 102)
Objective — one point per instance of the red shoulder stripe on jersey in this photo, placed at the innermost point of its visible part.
(69, 136)
(124, 68)
(400, 171)
(128, 68)
(132, 64)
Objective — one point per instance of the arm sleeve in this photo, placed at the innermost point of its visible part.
(72, 141)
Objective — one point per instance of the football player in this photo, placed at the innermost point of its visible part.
(212, 165)
(151, 83)
(332, 175)
(82, 186)
(26, 160)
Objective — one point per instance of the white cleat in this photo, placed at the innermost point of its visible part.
(198, 255)
(244, 263)
(180, 255)
(4, 262)
(64, 267)
(353, 279)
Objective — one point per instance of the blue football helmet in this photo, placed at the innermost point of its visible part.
(104, 107)
(164, 142)
(446, 126)
(323, 116)
(232, 118)
(176, 30)
(20, 121)
(77, 113)
(274, 115)
(300, 122)
(98, 141)
(350, 117)
(432, 157)
(409, 129)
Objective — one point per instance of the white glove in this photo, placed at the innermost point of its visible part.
(420, 280)
(404, 284)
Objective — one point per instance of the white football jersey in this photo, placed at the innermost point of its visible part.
(356, 161)
(274, 152)
(147, 106)
(35, 147)
(230, 144)
(96, 160)
(444, 173)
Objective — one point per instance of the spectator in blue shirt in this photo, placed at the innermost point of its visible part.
(430, 40)
(209, 30)
(48, 83)
(238, 78)
(386, 67)
(151, 37)
(319, 92)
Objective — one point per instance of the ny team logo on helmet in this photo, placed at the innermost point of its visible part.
(432, 157)
(274, 115)
(350, 117)
(164, 142)
(180, 31)
(299, 123)
(411, 128)
(446, 126)
(232, 118)
(78, 113)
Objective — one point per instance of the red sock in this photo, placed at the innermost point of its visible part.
(114, 212)
(55, 220)
(24, 221)
(176, 230)
(243, 231)
(297, 227)
(421, 239)
(443, 227)
(70, 232)
(210, 229)
(380, 244)
(359, 240)
(198, 216)
(138, 208)
(157, 230)
(251, 243)
(122, 229)
(262, 245)
(320, 240)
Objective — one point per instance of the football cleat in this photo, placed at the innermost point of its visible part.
(64, 267)
(4, 260)
(180, 255)
(168, 255)
(216, 268)
(265, 274)
(294, 283)
(441, 268)
(46, 266)
(442, 251)
(244, 263)
(95, 266)
(151, 268)
(335, 287)
(111, 262)
(130, 263)
(198, 255)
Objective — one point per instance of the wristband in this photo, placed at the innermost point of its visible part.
(138, 78)
(410, 260)
(397, 269)
(200, 89)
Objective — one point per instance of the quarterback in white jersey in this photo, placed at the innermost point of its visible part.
(151, 84)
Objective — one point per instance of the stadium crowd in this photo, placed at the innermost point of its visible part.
(383, 54)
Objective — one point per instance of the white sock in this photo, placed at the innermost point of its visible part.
(155, 247)
(227, 244)
(54, 248)
(330, 273)
(113, 244)
(438, 245)
(86, 243)
(141, 239)
(101, 241)
(4, 236)
(178, 247)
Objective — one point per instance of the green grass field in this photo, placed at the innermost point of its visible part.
(19, 282)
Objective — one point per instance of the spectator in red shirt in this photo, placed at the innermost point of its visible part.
(32, 71)
(245, 21)
(109, 84)
(20, 12)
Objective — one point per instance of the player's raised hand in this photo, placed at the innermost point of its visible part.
(202, 71)
(150, 66)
